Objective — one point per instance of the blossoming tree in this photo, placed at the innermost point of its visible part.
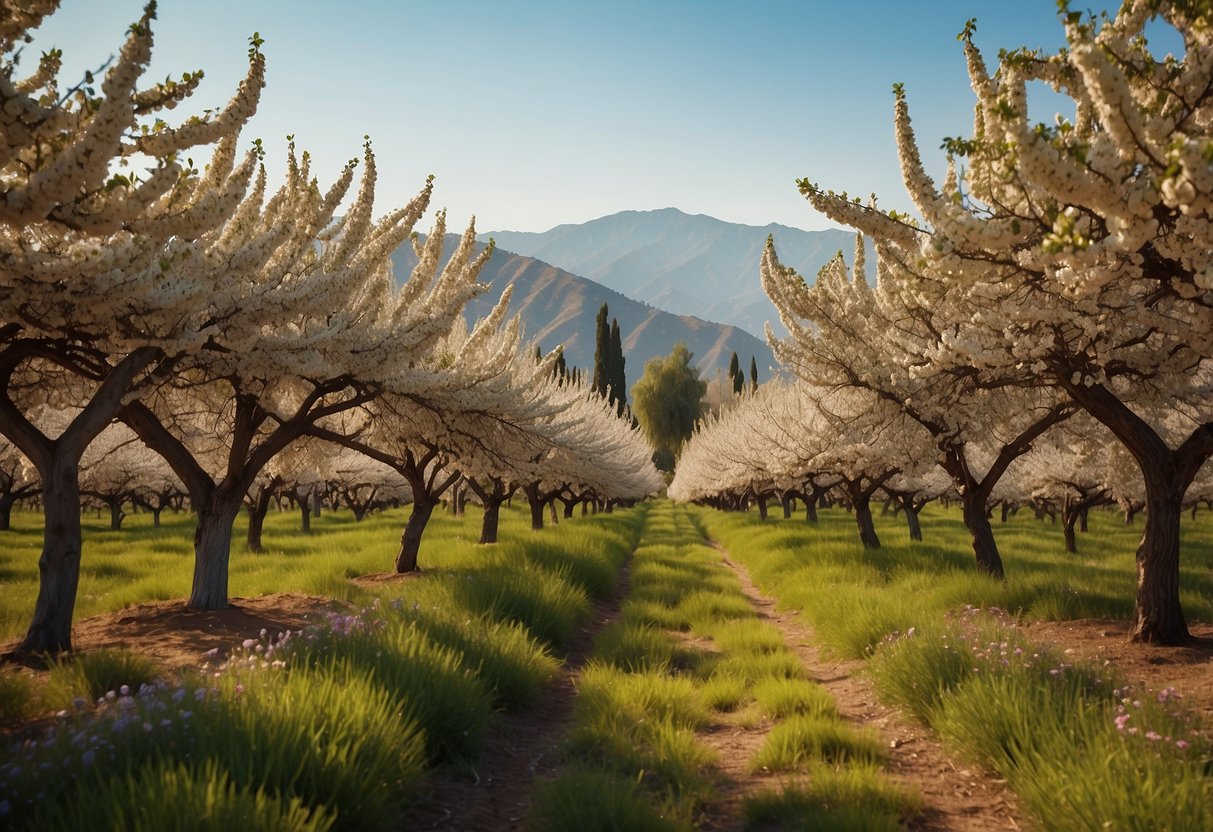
(84, 259)
(313, 327)
(1076, 255)
(844, 333)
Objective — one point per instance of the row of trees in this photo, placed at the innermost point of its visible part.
(223, 323)
(791, 442)
(1058, 268)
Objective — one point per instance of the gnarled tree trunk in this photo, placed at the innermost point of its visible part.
(977, 521)
(410, 541)
(50, 631)
(212, 549)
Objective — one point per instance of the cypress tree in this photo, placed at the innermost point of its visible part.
(619, 381)
(602, 353)
(735, 375)
(753, 374)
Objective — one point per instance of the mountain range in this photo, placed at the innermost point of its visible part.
(682, 263)
(558, 307)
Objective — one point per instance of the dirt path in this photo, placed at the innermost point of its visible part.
(956, 796)
(496, 794)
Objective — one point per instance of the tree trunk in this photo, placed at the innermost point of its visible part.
(492, 515)
(256, 518)
(863, 519)
(1082, 518)
(116, 515)
(810, 509)
(1160, 618)
(555, 517)
(1069, 516)
(305, 514)
(410, 541)
(1005, 505)
(912, 519)
(536, 504)
(50, 631)
(1067, 531)
(787, 506)
(212, 551)
(156, 516)
(762, 507)
(977, 521)
(6, 511)
(1167, 473)
(569, 505)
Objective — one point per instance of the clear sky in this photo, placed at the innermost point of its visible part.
(532, 114)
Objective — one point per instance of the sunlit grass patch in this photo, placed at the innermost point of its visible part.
(636, 647)
(749, 636)
(781, 664)
(602, 692)
(507, 659)
(91, 675)
(193, 798)
(804, 738)
(724, 693)
(543, 601)
(780, 697)
(428, 680)
(650, 611)
(589, 558)
(593, 800)
(706, 609)
(858, 797)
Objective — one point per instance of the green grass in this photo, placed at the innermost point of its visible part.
(1082, 749)
(686, 655)
(16, 696)
(90, 676)
(142, 563)
(591, 800)
(332, 726)
(856, 597)
(188, 798)
(343, 731)
(802, 738)
(844, 799)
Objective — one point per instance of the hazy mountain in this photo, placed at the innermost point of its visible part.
(558, 307)
(689, 265)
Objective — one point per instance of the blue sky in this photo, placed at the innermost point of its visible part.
(532, 114)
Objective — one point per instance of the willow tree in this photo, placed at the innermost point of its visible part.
(667, 401)
(1076, 255)
(91, 303)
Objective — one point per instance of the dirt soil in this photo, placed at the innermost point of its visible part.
(496, 794)
(180, 638)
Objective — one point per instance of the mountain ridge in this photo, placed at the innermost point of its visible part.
(559, 307)
(690, 264)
